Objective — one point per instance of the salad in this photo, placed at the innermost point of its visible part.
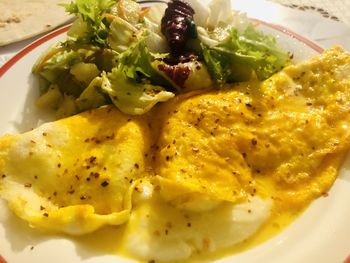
(118, 52)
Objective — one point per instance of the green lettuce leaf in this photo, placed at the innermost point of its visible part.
(129, 10)
(122, 34)
(132, 85)
(132, 97)
(125, 25)
(91, 26)
(137, 63)
(93, 96)
(241, 56)
(89, 9)
(59, 64)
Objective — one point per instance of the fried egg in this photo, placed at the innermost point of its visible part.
(283, 138)
(74, 175)
(159, 231)
(197, 174)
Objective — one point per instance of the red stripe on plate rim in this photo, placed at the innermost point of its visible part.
(30, 47)
(292, 34)
(2, 260)
(64, 29)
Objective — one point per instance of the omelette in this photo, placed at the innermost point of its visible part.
(74, 175)
(197, 174)
(286, 136)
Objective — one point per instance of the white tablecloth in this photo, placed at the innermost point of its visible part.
(338, 10)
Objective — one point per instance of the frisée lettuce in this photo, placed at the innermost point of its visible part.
(130, 96)
(132, 85)
(240, 57)
(91, 26)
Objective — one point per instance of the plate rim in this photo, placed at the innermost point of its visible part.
(27, 49)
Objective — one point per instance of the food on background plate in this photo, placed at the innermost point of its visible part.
(116, 52)
(196, 174)
(22, 19)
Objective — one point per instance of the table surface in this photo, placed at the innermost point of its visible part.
(326, 22)
(338, 10)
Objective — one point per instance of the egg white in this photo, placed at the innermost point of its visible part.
(159, 231)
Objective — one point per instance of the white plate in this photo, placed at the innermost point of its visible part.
(321, 234)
